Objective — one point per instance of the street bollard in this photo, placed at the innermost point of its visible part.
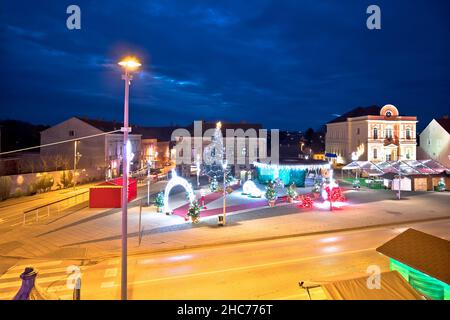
(221, 220)
(77, 289)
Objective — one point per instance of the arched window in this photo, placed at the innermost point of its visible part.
(388, 133)
(375, 133)
(408, 133)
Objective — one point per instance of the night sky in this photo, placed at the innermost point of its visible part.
(285, 64)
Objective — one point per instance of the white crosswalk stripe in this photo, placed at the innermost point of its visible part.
(52, 277)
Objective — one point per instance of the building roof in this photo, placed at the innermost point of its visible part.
(444, 123)
(421, 251)
(165, 133)
(358, 112)
(392, 287)
(159, 133)
(102, 125)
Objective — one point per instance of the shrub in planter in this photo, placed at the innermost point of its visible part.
(159, 202)
(271, 194)
(5, 188)
(291, 193)
(194, 212)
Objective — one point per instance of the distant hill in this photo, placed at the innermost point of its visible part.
(17, 134)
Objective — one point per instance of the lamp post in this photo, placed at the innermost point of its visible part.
(355, 157)
(198, 170)
(129, 64)
(76, 157)
(224, 167)
(149, 165)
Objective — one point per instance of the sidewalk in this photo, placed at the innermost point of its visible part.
(93, 234)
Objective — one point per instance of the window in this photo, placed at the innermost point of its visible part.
(375, 153)
(375, 133)
(408, 133)
(388, 157)
(388, 133)
(388, 114)
(357, 131)
(71, 133)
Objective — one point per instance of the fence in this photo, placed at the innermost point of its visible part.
(45, 211)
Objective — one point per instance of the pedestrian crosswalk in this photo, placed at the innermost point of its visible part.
(52, 278)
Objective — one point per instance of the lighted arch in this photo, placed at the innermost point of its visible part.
(177, 181)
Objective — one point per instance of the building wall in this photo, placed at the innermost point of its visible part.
(92, 150)
(356, 135)
(113, 153)
(435, 143)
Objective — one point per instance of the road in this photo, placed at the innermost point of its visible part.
(257, 270)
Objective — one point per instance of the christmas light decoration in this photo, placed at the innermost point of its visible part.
(177, 181)
(250, 188)
(213, 154)
(305, 202)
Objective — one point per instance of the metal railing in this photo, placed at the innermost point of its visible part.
(54, 207)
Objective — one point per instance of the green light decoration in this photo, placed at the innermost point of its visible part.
(428, 286)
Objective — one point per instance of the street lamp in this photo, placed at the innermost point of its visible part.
(224, 167)
(355, 157)
(76, 158)
(129, 64)
(198, 170)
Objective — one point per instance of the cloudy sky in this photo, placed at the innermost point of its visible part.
(285, 64)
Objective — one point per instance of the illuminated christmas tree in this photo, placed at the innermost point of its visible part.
(214, 154)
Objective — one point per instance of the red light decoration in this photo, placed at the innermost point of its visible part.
(335, 194)
(305, 202)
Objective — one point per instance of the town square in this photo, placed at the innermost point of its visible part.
(225, 151)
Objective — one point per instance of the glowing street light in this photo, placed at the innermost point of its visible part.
(129, 64)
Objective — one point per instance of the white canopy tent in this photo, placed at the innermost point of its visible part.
(404, 167)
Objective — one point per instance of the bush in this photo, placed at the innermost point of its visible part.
(31, 189)
(44, 183)
(18, 193)
(271, 194)
(5, 187)
(66, 179)
(291, 191)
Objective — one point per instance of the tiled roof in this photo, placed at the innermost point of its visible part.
(421, 251)
(102, 125)
(165, 133)
(358, 112)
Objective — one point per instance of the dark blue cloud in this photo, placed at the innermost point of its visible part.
(287, 64)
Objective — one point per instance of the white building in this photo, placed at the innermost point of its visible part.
(102, 153)
(435, 141)
(373, 134)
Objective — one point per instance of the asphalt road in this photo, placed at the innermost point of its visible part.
(259, 270)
